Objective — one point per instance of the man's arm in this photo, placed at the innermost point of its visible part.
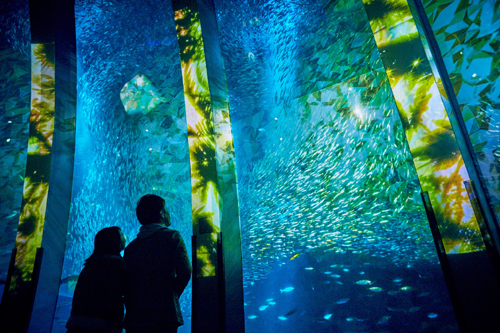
(182, 265)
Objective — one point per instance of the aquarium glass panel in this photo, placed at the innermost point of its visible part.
(15, 98)
(467, 33)
(131, 130)
(433, 144)
(334, 234)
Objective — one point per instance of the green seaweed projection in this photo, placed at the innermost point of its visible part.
(467, 35)
(210, 139)
(38, 165)
(428, 130)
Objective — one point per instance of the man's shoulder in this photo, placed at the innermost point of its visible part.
(164, 233)
(168, 231)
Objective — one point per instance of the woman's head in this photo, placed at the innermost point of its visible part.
(151, 209)
(109, 241)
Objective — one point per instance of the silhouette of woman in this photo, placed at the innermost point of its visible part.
(98, 299)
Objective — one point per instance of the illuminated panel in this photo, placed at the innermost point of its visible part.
(210, 139)
(36, 181)
(14, 120)
(468, 39)
(433, 145)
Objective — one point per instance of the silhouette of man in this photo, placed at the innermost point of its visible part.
(158, 270)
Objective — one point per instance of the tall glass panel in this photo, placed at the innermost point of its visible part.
(131, 130)
(467, 33)
(15, 82)
(334, 234)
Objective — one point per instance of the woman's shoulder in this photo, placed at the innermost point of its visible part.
(112, 260)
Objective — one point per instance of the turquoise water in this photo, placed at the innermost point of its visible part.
(334, 234)
(120, 157)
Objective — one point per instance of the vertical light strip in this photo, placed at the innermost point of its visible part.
(432, 142)
(38, 165)
(209, 136)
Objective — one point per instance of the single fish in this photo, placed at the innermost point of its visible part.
(282, 318)
(342, 301)
(383, 320)
(287, 289)
(252, 317)
(376, 289)
(328, 316)
(263, 307)
(432, 315)
(291, 312)
(363, 282)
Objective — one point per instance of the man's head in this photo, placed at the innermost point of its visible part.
(151, 209)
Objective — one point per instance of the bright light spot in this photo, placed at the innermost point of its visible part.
(281, 139)
(150, 149)
(275, 118)
(9, 122)
(147, 130)
(358, 112)
(416, 62)
(474, 75)
(8, 140)
(140, 81)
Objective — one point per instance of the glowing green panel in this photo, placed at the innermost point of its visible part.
(36, 181)
(210, 139)
(428, 130)
(467, 33)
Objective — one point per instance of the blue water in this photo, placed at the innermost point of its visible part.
(328, 193)
(339, 299)
(121, 157)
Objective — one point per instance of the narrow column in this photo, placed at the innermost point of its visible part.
(217, 284)
(61, 174)
(432, 141)
(49, 170)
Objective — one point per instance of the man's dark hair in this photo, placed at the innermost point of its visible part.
(149, 209)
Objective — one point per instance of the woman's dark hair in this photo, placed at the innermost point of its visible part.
(107, 241)
(151, 209)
